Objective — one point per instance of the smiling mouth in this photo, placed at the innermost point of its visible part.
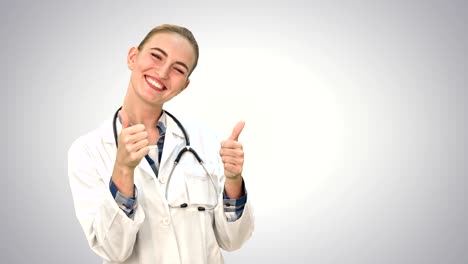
(155, 84)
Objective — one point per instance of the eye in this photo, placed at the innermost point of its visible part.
(179, 70)
(157, 56)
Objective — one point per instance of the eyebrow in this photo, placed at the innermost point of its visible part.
(177, 62)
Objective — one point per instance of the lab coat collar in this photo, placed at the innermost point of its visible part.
(174, 136)
(107, 132)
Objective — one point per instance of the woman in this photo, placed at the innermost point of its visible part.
(133, 202)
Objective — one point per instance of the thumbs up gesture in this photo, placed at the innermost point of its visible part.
(232, 153)
(133, 143)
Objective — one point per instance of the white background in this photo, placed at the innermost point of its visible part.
(355, 136)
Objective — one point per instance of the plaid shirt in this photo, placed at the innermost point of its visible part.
(233, 208)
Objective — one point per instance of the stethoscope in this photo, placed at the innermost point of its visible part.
(187, 148)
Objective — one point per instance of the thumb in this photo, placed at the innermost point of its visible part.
(123, 117)
(237, 130)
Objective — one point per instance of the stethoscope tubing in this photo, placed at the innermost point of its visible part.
(187, 148)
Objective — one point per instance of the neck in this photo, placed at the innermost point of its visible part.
(147, 115)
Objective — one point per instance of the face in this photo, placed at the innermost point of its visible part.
(160, 69)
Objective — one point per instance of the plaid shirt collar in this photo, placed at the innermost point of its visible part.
(162, 124)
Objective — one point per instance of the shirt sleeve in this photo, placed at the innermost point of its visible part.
(233, 208)
(126, 204)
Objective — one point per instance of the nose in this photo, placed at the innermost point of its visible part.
(163, 71)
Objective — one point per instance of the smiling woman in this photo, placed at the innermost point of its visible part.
(162, 64)
(129, 206)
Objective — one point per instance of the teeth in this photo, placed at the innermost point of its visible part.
(154, 83)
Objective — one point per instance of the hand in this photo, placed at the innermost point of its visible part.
(232, 153)
(133, 143)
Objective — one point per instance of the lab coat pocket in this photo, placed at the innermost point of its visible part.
(202, 187)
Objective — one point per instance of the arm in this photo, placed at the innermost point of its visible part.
(232, 155)
(234, 208)
(234, 220)
(234, 225)
(110, 233)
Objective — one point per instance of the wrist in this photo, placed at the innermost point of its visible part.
(122, 177)
(234, 180)
(233, 187)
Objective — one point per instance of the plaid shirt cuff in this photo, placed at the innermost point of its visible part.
(126, 204)
(233, 208)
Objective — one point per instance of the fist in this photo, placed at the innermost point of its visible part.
(232, 153)
(133, 143)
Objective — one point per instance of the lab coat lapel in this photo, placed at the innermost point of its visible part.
(144, 166)
(173, 142)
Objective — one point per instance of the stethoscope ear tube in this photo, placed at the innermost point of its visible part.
(114, 127)
(187, 140)
(199, 208)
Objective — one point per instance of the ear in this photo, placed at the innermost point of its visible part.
(131, 57)
(186, 85)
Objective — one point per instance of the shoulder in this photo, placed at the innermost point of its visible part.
(199, 127)
(91, 139)
(196, 129)
(202, 128)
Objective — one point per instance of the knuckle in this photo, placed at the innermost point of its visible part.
(128, 148)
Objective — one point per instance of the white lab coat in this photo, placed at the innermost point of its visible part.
(158, 233)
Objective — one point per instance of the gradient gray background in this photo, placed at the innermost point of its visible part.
(355, 114)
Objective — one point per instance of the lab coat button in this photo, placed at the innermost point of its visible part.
(162, 180)
(165, 221)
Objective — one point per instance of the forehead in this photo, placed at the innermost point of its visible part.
(176, 46)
